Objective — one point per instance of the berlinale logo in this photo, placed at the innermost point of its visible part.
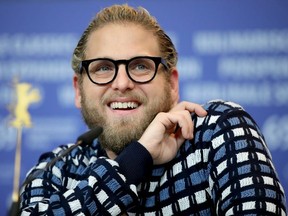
(25, 96)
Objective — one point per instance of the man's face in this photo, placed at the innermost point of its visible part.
(121, 125)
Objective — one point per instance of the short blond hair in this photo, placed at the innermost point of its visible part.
(126, 14)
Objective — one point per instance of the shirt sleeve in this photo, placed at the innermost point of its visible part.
(242, 178)
(99, 188)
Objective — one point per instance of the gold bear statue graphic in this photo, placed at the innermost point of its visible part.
(26, 95)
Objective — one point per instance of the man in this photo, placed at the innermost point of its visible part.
(151, 158)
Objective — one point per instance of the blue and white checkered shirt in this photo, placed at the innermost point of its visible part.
(225, 170)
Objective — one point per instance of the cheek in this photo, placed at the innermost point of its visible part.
(157, 88)
(94, 94)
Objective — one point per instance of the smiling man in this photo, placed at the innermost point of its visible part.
(150, 159)
(129, 93)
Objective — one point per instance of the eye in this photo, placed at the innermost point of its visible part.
(141, 65)
(101, 66)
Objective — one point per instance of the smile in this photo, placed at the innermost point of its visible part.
(123, 105)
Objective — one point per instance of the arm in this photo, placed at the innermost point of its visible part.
(242, 177)
(97, 188)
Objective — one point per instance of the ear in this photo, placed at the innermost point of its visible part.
(77, 99)
(174, 80)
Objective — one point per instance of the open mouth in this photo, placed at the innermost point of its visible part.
(123, 105)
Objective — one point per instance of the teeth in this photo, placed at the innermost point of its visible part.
(123, 105)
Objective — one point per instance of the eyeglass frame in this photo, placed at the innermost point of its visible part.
(157, 61)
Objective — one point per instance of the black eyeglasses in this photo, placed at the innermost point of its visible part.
(140, 69)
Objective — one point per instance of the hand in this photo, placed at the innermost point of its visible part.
(167, 132)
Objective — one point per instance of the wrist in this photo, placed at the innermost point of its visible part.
(135, 162)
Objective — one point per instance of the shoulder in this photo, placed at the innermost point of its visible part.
(70, 151)
(219, 110)
(224, 119)
(219, 107)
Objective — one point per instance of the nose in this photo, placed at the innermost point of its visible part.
(122, 82)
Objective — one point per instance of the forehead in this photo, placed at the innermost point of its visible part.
(122, 41)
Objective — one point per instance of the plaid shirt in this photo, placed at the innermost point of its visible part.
(225, 170)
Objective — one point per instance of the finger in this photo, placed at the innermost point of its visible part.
(191, 107)
(187, 125)
(179, 139)
(182, 122)
(183, 133)
(199, 110)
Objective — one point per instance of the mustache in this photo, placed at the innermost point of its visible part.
(116, 95)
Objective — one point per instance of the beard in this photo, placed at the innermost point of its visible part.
(119, 132)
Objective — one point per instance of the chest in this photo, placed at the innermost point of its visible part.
(176, 188)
